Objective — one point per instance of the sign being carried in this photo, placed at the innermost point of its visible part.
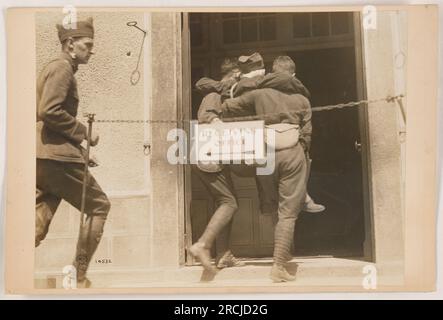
(212, 145)
(229, 142)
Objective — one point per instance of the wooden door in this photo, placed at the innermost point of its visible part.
(252, 232)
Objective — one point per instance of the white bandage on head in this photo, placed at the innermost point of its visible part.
(259, 72)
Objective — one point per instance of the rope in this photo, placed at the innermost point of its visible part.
(388, 99)
(357, 103)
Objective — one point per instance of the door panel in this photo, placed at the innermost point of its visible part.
(266, 230)
(243, 225)
(251, 234)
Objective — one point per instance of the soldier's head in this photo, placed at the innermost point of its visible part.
(77, 40)
(229, 69)
(251, 63)
(284, 64)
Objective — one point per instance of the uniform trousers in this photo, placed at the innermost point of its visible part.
(282, 194)
(221, 188)
(57, 180)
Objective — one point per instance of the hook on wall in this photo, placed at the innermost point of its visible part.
(135, 75)
(147, 148)
(134, 24)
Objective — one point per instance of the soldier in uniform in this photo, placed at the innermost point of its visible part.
(285, 189)
(218, 181)
(285, 65)
(60, 156)
(282, 79)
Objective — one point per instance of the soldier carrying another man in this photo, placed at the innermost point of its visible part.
(278, 101)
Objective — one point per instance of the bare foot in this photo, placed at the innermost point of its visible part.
(199, 251)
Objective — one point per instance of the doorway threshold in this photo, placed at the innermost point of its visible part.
(311, 272)
(303, 267)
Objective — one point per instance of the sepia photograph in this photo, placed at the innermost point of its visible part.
(240, 150)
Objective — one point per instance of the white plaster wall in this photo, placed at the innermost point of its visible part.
(105, 89)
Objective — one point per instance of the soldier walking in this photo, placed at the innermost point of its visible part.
(60, 157)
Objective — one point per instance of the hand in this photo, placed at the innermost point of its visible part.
(94, 138)
(93, 161)
(216, 120)
(304, 146)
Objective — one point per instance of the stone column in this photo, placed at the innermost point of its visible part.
(384, 143)
(166, 219)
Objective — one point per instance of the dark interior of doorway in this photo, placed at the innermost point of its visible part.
(336, 172)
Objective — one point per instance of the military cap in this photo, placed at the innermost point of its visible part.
(79, 29)
(251, 63)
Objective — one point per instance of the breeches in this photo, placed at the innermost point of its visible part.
(221, 188)
(57, 180)
(284, 193)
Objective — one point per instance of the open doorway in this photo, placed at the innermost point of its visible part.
(323, 47)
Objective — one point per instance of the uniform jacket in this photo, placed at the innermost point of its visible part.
(217, 91)
(273, 106)
(280, 81)
(59, 133)
(208, 85)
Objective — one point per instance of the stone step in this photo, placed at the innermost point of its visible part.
(318, 271)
